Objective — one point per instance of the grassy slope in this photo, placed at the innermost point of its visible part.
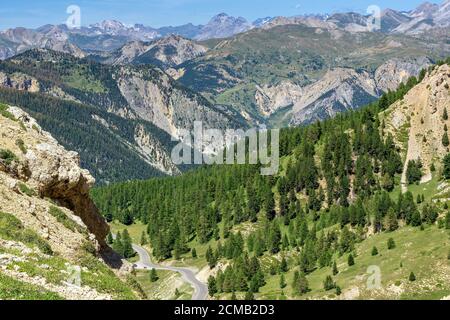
(422, 252)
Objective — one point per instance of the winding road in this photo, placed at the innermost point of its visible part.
(145, 263)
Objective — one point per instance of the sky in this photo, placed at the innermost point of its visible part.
(157, 13)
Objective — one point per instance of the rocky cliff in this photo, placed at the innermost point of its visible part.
(418, 123)
(338, 90)
(49, 226)
(167, 52)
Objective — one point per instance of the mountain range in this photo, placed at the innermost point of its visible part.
(111, 34)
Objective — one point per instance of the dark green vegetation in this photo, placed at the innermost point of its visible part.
(122, 244)
(7, 156)
(105, 152)
(333, 190)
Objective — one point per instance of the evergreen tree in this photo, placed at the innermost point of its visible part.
(391, 222)
(300, 283)
(445, 141)
(249, 296)
(338, 291)
(153, 275)
(328, 283)
(446, 169)
(274, 238)
(212, 287)
(412, 277)
(144, 240)
(128, 251)
(269, 205)
(374, 251)
(445, 115)
(282, 281)
(194, 253)
(283, 265)
(335, 269)
(110, 239)
(351, 260)
(118, 245)
(391, 244)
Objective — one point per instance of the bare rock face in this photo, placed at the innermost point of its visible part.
(417, 123)
(395, 71)
(56, 174)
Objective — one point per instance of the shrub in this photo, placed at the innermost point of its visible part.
(4, 112)
(391, 244)
(25, 190)
(7, 156)
(21, 145)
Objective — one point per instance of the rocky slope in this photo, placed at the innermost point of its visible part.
(338, 90)
(166, 52)
(223, 26)
(139, 108)
(417, 122)
(49, 226)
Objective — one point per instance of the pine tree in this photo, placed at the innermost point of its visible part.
(194, 253)
(335, 269)
(282, 281)
(302, 285)
(351, 260)
(412, 277)
(144, 240)
(391, 222)
(110, 239)
(446, 170)
(328, 283)
(249, 296)
(153, 275)
(445, 115)
(212, 287)
(374, 251)
(269, 205)
(118, 245)
(128, 251)
(391, 244)
(445, 141)
(211, 258)
(283, 265)
(338, 291)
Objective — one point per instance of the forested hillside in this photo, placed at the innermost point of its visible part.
(106, 150)
(338, 188)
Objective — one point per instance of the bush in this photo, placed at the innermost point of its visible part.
(21, 145)
(7, 156)
(391, 244)
(374, 251)
(4, 112)
(25, 190)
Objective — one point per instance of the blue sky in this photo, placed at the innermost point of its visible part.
(32, 13)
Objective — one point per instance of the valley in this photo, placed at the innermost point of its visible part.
(95, 203)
